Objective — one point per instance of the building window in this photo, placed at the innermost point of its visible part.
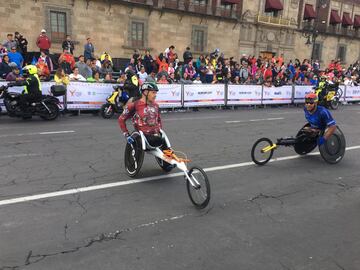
(138, 34)
(317, 51)
(58, 25)
(199, 2)
(199, 38)
(341, 53)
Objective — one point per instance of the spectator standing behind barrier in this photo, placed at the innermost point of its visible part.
(47, 60)
(185, 79)
(190, 71)
(76, 76)
(21, 44)
(16, 57)
(3, 51)
(84, 69)
(106, 57)
(14, 75)
(142, 74)
(61, 78)
(148, 62)
(172, 78)
(121, 79)
(106, 68)
(151, 77)
(187, 55)
(43, 41)
(5, 69)
(163, 80)
(197, 79)
(43, 70)
(89, 49)
(67, 62)
(68, 45)
(9, 42)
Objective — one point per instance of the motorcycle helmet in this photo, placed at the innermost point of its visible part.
(29, 70)
(149, 86)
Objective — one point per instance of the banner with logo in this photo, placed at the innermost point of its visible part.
(169, 95)
(87, 96)
(277, 95)
(244, 94)
(204, 95)
(45, 89)
(352, 93)
(301, 91)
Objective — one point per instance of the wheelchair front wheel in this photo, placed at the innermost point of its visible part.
(134, 157)
(258, 155)
(199, 193)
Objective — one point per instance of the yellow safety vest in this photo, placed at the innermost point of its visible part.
(26, 91)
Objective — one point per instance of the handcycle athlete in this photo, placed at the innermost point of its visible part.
(321, 130)
(149, 137)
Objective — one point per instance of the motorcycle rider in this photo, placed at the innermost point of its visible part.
(131, 85)
(319, 118)
(32, 89)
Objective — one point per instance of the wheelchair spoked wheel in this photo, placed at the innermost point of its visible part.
(134, 156)
(258, 155)
(165, 166)
(333, 150)
(200, 193)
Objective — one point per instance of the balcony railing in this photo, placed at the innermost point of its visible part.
(278, 21)
(173, 4)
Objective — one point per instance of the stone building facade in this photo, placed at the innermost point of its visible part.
(237, 27)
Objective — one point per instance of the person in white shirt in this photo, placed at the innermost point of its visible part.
(76, 76)
(142, 74)
(197, 79)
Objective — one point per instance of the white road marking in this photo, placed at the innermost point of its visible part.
(194, 118)
(37, 133)
(254, 120)
(130, 182)
(20, 155)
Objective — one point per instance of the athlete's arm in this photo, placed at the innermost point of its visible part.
(330, 123)
(128, 112)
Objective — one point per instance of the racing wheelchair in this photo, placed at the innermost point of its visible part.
(197, 182)
(305, 141)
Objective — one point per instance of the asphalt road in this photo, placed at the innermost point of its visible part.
(293, 213)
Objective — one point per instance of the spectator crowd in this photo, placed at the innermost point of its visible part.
(167, 67)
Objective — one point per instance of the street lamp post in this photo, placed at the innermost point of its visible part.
(311, 32)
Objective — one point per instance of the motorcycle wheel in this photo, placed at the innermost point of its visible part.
(334, 104)
(54, 112)
(107, 111)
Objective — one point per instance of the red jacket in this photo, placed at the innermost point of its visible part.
(145, 117)
(43, 42)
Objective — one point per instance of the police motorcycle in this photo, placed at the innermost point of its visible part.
(329, 93)
(120, 96)
(48, 108)
(114, 102)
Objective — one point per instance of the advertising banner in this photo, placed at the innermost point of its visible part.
(277, 95)
(87, 96)
(300, 92)
(352, 93)
(169, 95)
(204, 95)
(244, 94)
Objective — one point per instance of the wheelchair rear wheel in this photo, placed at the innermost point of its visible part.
(134, 156)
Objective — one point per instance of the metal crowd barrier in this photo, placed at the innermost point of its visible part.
(90, 96)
